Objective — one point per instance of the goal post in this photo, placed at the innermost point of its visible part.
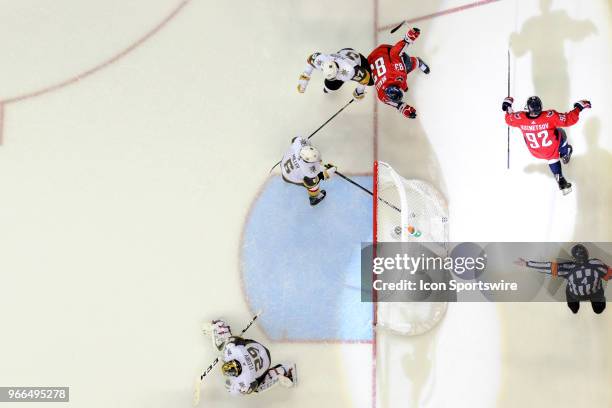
(408, 210)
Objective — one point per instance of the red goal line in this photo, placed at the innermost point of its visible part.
(442, 13)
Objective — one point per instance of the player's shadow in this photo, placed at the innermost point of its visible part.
(591, 171)
(405, 143)
(544, 36)
(418, 364)
(588, 172)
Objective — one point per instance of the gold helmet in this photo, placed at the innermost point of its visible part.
(231, 368)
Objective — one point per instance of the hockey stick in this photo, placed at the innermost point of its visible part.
(398, 26)
(200, 379)
(508, 127)
(367, 191)
(320, 127)
(416, 232)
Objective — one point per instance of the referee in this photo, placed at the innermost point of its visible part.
(584, 277)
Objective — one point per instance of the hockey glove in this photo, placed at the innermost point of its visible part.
(412, 35)
(359, 93)
(583, 104)
(303, 83)
(507, 103)
(407, 110)
(330, 170)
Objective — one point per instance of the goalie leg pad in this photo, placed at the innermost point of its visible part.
(289, 379)
(221, 333)
(283, 374)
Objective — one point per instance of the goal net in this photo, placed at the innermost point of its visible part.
(408, 211)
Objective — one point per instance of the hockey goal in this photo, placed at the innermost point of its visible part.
(408, 211)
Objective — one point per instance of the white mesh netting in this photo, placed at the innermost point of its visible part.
(409, 211)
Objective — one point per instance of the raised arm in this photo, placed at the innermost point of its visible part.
(408, 39)
(549, 268)
(570, 118)
(511, 117)
(313, 61)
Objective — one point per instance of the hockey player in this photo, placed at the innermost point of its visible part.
(301, 165)
(390, 67)
(543, 133)
(584, 277)
(246, 363)
(345, 65)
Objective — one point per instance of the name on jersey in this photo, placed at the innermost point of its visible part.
(543, 126)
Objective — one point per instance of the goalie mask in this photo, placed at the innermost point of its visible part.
(533, 106)
(231, 368)
(310, 154)
(330, 70)
(580, 254)
(394, 93)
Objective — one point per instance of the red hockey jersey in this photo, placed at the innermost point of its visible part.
(539, 133)
(388, 69)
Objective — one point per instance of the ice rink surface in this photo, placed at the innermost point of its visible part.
(136, 138)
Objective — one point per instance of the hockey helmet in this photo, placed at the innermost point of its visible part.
(310, 154)
(580, 254)
(394, 93)
(330, 70)
(534, 106)
(231, 368)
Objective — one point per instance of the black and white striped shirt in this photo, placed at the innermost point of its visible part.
(582, 280)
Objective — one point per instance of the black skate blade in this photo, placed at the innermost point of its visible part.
(318, 199)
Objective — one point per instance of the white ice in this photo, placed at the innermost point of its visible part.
(124, 191)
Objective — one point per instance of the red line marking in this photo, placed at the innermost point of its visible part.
(315, 341)
(374, 208)
(1, 123)
(375, 113)
(442, 13)
(378, 29)
(374, 293)
(95, 69)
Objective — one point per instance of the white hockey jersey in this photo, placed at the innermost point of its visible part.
(293, 168)
(254, 360)
(349, 65)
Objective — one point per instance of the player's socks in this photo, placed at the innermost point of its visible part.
(566, 153)
(565, 149)
(556, 169)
